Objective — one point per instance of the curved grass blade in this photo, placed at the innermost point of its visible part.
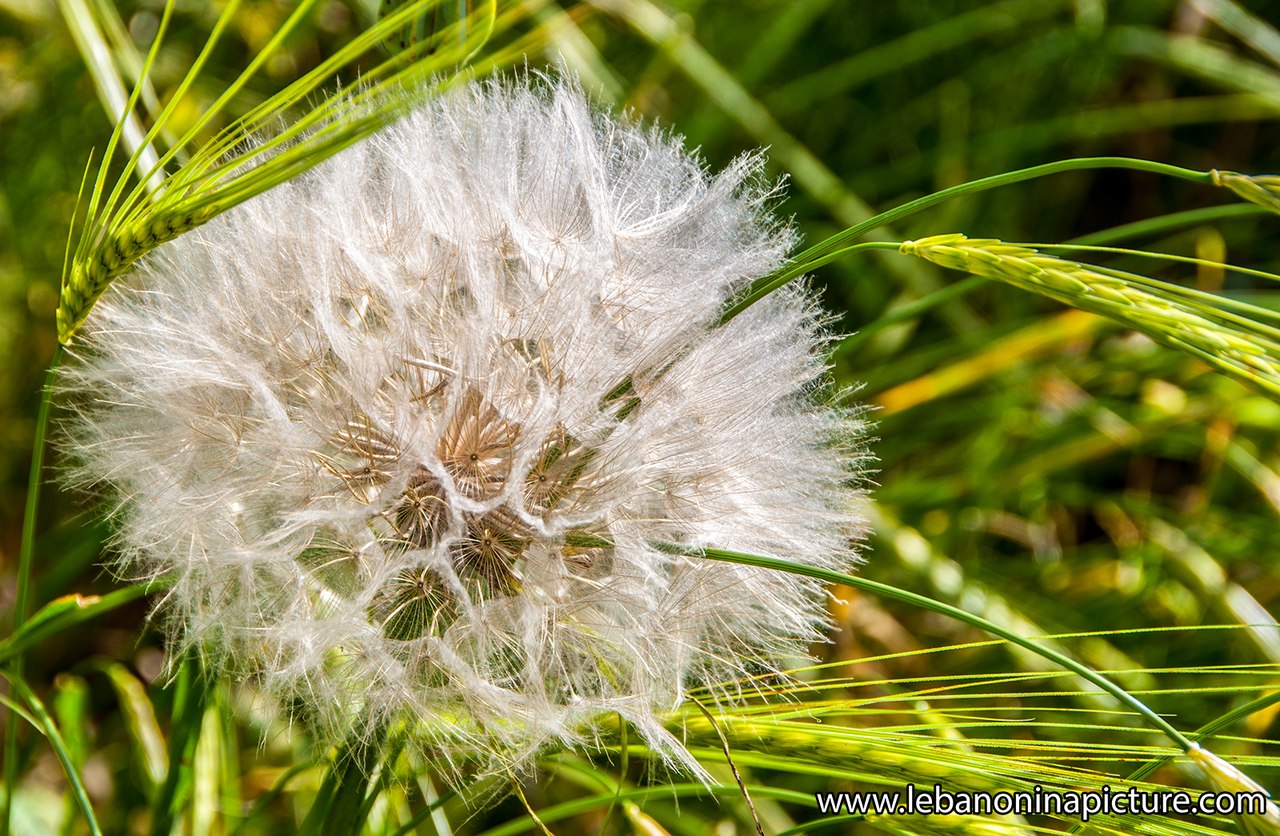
(830, 576)
(140, 720)
(262, 802)
(190, 695)
(64, 613)
(92, 43)
(50, 730)
(1262, 190)
(26, 550)
(207, 772)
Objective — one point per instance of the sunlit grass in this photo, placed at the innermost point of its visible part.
(1088, 481)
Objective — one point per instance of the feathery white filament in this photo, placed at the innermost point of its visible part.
(364, 422)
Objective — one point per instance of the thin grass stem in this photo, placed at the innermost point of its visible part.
(25, 552)
(885, 590)
(824, 251)
(50, 730)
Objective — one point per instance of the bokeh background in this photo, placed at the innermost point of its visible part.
(1037, 465)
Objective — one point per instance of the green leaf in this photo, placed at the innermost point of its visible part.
(144, 730)
(190, 693)
(62, 614)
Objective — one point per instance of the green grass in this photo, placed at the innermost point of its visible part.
(1058, 491)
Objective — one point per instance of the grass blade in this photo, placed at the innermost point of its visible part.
(140, 718)
(50, 730)
(830, 576)
(25, 552)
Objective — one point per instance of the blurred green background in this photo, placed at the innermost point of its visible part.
(1039, 466)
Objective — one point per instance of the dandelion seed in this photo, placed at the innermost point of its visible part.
(368, 424)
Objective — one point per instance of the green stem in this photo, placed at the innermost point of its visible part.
(50, 730)
(1210, 729)
(642, 796)
(981, 623)
(190, 695)
(33, 494)
(268, 798)
(411, 826)
(1205, 732)
(25, 553)
(838, 244)
(338, 804)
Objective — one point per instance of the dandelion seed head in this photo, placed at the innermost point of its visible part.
(368, 424)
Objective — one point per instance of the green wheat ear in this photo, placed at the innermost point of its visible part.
(1261, 189)
(1231, 336)
(121, 225)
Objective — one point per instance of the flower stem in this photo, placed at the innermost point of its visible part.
(838, 245)
(978, 621)
(190, 696)
(25, 552)
(338, 809)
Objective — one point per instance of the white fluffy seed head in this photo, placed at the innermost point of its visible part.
(364, 423)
